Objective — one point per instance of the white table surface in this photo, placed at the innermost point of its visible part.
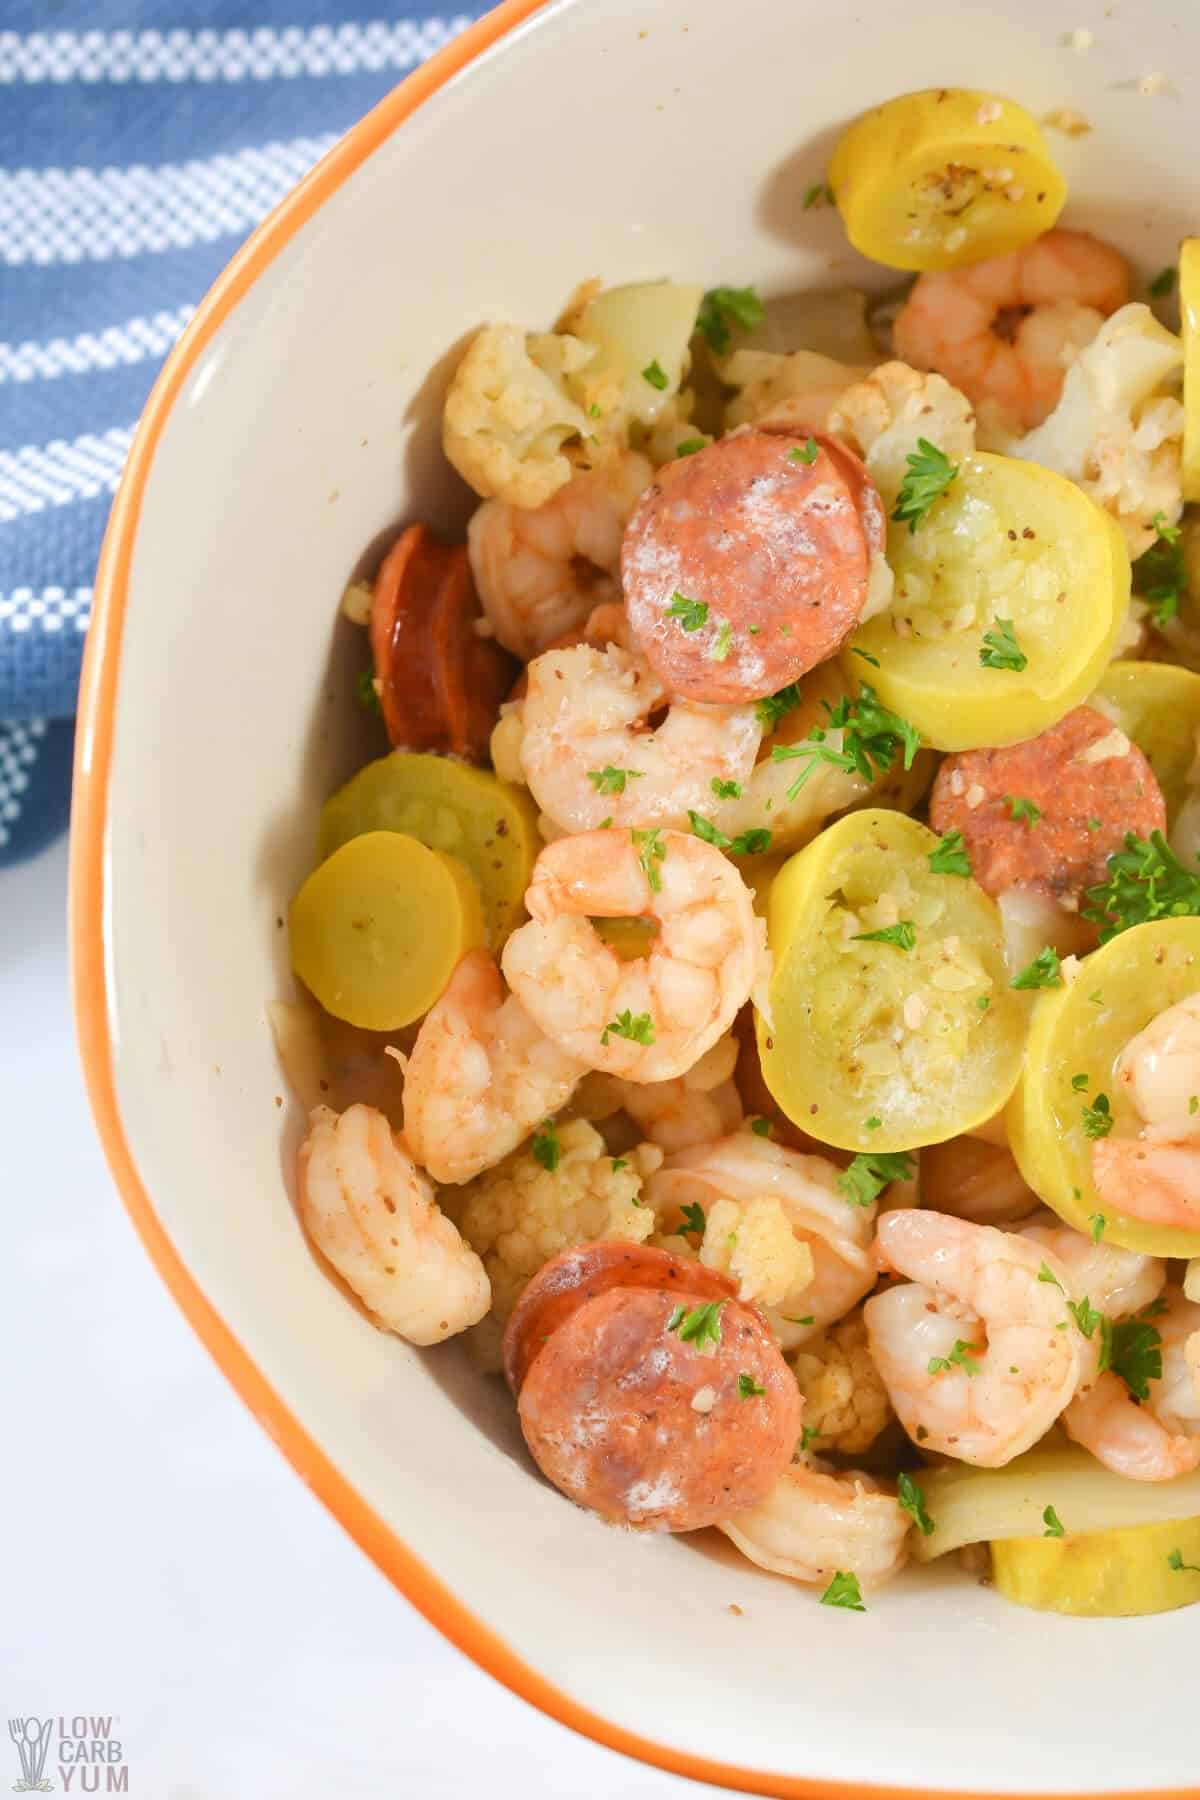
(164, 1565)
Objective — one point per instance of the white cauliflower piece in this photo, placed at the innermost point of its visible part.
(520, 1214)
(846, 1404)
(1118, 427)
(881, 419)
(507, 414)
(800, 389)
(753, 1242)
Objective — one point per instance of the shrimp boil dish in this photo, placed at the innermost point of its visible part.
(755, 999)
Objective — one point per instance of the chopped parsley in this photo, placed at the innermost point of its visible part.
(930, 473)
(690, 613)
(751, 843)
(1046, 1273)
(873, 1123)
(903, 934)
(546, 1147)
(1019, 808)
(651, 851)
(748, 1388)
(637, 1027)
(773, 707)
(1052, 1522)
(843, 1590)
(722, 307)
(693, 1219)
(1001, 649)
(1160, 573)
(699, 1325)
(950, 857)
(1132, 1349)
(747, 843)
(656, 375)
(1045, 971)
(871, 1171)
(912, 1498)
(761, 1127)
(1175, 1561)
(807, 1432)
(368, 693)
(612, 781)
(1094, 824)
(721, 645)
(1097, 1118)
(806, 453)
(1164, 282)
(1097, 1221)
(726, 790)
(871, 737)
(1085, 1316)
(619, 1163)
(821, 194)
(1079, 1082)
(866, 656)
(960, 1356)
(1146, 881)
(690, 446)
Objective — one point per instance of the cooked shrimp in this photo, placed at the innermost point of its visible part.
(541, 570)
(1158, 1438)
(1115, 1281)
(812, 1525)
(744, 1169)
(1155, 1177)
(481, 1075)
(698, 1106)
(975, 1180)
(649, 1019)
(969, 1350)
(1064, 283)
(372, 1214)
(588, 752)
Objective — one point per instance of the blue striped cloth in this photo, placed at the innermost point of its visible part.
(140, 141)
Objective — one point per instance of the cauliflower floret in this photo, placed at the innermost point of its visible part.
(800, 389)
(1118, 427)
(520, 1214)
(753, 1242)
(507, 415)
(882, 417)
(845, 1402)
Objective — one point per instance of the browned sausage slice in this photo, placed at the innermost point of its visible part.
(1048, 813)
(629, 1419)
(745, 565)
(574, 1276)
(442, 684)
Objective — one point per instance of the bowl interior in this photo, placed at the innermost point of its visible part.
(626, 138)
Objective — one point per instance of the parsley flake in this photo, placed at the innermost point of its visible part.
(748, 1388)
(871, 737)
(807, 1432)
(656, 375)
(844, 1590)
(1175, 1561)
(1045, 971)
(870, 1172)
(960, 1356)
(806, 453)
(773, 707)
(1019, 808)
(1052, 1522)
(637, 1027)
(726, 790)
(1132, 1349)
(722, 307)
(368, 693)
(1085, 1316)
(821, 194)
(693, 1219)
(930, 473)
(699, 1325)
(651, 851)
(903, 934)
(546, 1148)
(1164, 282)
(612, 781)
(761, 1127)
(866, 656)
(1146, 881)
(1097, 1118)
(1079, 1082)
(1001, 649)
(619, 1163)
(718, 650)
(1097, 1221)
(690, 613)
(912, 1498)
(690, 446)
(1160, 574)
(950, 857)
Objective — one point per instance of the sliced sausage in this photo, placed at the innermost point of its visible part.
(574, 1276)
(442, 684)
(1089, 786)
(648, 1429)
(744, 565)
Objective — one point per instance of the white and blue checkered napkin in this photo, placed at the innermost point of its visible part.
(140, 141)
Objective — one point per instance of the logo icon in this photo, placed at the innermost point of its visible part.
(32, 1738)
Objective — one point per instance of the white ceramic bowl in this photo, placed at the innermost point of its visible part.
(297, 420)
